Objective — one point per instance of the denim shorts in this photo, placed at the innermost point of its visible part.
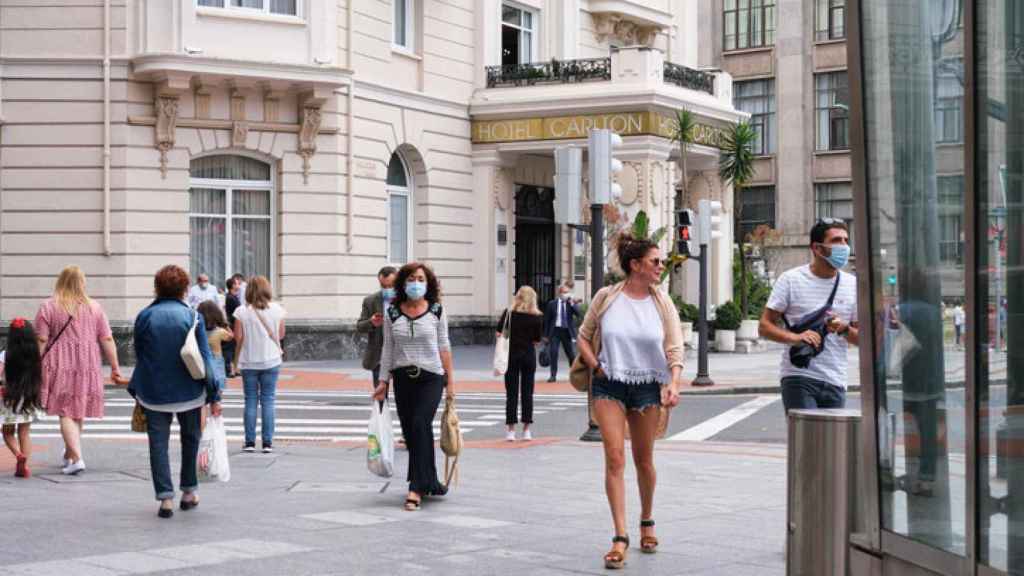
(636, 397)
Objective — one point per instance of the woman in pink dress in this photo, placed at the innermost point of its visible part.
(72, 330)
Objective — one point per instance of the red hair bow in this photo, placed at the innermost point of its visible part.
(18, 323)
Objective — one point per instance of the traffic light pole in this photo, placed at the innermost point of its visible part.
(703, 379)
(593, 433)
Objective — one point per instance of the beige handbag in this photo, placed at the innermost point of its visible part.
(191, 355)
(451, 440)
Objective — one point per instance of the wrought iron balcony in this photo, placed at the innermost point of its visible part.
(689, 78)
(553, 72)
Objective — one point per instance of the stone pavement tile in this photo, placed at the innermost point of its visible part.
(349, 518)
(460, 521)
(135, 562)
(58, 568)
(202, 554)
(737, 569)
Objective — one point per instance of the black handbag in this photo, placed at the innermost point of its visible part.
(801, 354)
(544, 358)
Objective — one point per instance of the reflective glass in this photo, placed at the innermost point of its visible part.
(919, 373)
(398, 234)
(396, 171)
(250, 247)
(226, 167)
(251, 202)
(206, 201)
(207, 247)
(400, 23)
(998, 314)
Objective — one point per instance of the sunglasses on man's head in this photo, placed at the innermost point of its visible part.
(830, 221)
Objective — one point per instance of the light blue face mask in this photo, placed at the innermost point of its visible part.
(839, 256)
(415, 290)
(388, 293)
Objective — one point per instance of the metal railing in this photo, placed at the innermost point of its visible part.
(553, 72)
(689, 78)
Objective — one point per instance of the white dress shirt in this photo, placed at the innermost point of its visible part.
(197, 295)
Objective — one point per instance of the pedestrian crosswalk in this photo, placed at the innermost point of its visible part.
(311, 416)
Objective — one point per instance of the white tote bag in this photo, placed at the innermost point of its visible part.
(501, 344)
(212, 462)
(191, 355)
(380, 442)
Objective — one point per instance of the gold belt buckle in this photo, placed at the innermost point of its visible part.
(413, 372)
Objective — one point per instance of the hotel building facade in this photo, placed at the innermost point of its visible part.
(314, 141)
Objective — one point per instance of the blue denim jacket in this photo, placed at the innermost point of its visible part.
(160, 375)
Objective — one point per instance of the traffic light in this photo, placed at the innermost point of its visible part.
(684, 222)
(604, 166)
(710, 220)
(568, 170)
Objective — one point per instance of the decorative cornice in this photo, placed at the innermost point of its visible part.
(158, 65)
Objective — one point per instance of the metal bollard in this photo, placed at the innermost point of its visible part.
(824, 479)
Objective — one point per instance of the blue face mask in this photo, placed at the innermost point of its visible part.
(839, 256)
(388, 293)
(415, 290)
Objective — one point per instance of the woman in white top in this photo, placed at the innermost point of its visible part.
(259, 328)
(417, 354)
(631, 339)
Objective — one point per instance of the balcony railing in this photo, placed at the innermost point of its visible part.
(553, 72)
(689, 78)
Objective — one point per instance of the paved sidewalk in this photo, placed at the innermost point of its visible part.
(732, 373)
(315, 510)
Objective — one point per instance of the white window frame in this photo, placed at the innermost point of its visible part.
(254, 11)
(410, 28)
(407, 192)
(534, 31)
(229, 187)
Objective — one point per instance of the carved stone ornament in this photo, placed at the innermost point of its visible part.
(631, 180)
(500, 189)
(239, 134)
(311, 119)
(609, 26)
(166, 122)
(657, 182)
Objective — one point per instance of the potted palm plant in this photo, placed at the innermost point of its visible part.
(736, 167)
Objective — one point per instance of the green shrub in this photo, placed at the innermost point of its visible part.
(688, 312)
(728, 316)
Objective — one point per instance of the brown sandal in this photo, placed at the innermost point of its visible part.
(614, 559)
(648, 544)
(412, 505)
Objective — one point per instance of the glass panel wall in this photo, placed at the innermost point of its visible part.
(999, 307)
(908, 47)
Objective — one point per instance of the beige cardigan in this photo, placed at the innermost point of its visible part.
(591, 329)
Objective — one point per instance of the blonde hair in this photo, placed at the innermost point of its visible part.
(525, 300)
(258, 292)
(70, 290)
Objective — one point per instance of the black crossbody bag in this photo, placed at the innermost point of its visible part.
(49, 345)
(801, 354)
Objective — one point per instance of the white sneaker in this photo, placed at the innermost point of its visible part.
(510, 436)
(74, 468)
(527, 436)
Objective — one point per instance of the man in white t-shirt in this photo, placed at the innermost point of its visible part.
(201, 291)
(959, 318)
(803, 293)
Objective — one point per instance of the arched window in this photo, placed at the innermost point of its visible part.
(399, 211)
(230, 217)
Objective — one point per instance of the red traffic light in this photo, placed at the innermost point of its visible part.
(684, 233)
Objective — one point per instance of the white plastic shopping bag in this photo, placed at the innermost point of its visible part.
(212, 462)
(380, 442)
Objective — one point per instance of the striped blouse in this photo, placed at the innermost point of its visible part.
(414, 341)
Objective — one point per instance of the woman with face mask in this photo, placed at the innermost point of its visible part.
(417, 358)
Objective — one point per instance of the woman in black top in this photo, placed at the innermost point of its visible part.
(231, 303)
(527, 327)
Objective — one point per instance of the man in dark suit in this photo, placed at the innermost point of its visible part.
(560, 327)
(372, 318)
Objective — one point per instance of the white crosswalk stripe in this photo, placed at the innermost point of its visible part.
(323, 416)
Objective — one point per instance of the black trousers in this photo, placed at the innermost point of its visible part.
(228, 349)
(519, 377)
(560, 335)
(416, 400)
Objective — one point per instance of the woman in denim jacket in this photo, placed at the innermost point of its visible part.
(163, 386)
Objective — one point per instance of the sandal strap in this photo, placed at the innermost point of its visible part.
(647, 523)
(622, 539)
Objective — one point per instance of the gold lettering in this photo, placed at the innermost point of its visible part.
(557, 127)
(619, 124)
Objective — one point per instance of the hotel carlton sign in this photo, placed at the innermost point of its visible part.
(573, 127)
